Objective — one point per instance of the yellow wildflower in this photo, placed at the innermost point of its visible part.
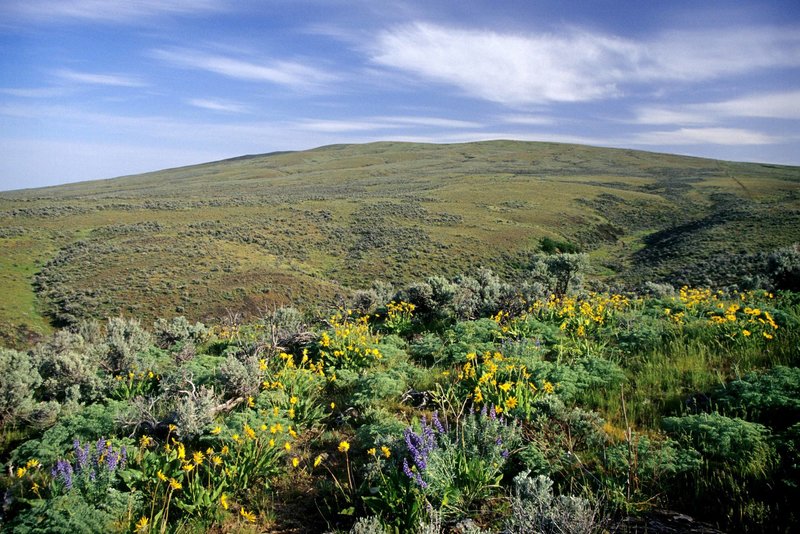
(295, 461)
(21, 472)
(224, 501)
(385, 451)
(142, 525)
(317, 460)
(161, 476)
(293, 400)
(33, 462)
(287, 446)
(250, 516)
(175, 484)
(371, 451)
(511, 403)
(198, 457)
(344, 446)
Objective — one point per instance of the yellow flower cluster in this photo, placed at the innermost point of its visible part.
(577, 316)
(350, 343)
(496, 380)
(737, 316)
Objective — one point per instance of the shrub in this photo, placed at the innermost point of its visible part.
(18, 381)
(127, 344)
(69, 369)
(534, 508)
(178, 330)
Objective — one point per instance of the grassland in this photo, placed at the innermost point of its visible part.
(305, 227)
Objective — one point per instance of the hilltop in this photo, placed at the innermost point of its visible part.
(304, 228)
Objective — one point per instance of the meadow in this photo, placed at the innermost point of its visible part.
(306, 228)
(490, 337)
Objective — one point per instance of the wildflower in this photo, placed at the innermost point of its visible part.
(187, 467)
(511, 403)
(344, 446)
(161, 476)
(250, 402)
(506, 386)
(216, 430)
(198, 457)
(249, 431)
(181, 451)
(250, 516)
(293, 400)
(21, 472)
(295, 461)
(216, 460)
(145, 441)
(333, 405)
(235, 438)
(224, 501)
(287, 446)
(385, 451)
(767, 336)
(746, 333)
(548, 387)
(371, 451)
(142, 524)
(292, 432)
(174, 484)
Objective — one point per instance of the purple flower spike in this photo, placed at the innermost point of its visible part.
(437, 423)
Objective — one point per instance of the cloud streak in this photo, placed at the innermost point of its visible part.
(90, 78)
(108, 11)
(286, 73)
(576, 65)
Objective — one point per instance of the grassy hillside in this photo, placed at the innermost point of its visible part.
(302, 227)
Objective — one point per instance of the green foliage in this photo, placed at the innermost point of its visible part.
(548, 245)
(771, 398)
(18, 380)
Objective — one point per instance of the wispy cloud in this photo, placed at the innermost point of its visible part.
(576, 65)
(713, 136)
(782, 105)
(217, 105)
(118, 11)
(281, 72)
(33, 92)
(92, 78)
(528, 120)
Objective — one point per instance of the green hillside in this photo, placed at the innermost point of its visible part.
(306, 227)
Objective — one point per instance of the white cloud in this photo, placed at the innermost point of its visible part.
(99, 79)
(783, 105)
(775, 106)
(701, 136)
(217, 105)
(505, 68)
(528, 120)
(286, 73)
(33, 92)
(576, 65)
(121, 11)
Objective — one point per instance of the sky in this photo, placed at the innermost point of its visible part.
(95, 89)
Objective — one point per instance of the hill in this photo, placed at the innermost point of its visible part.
(303, 227)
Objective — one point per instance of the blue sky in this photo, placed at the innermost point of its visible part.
(96, 89)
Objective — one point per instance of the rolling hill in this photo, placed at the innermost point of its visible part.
(249, 233)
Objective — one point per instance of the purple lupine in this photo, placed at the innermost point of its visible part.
(493, 413)
(101, 445)
(81, 454)
(64, 469)
(505, 454)
(111, 461)
(437, 423)
(483, 411)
